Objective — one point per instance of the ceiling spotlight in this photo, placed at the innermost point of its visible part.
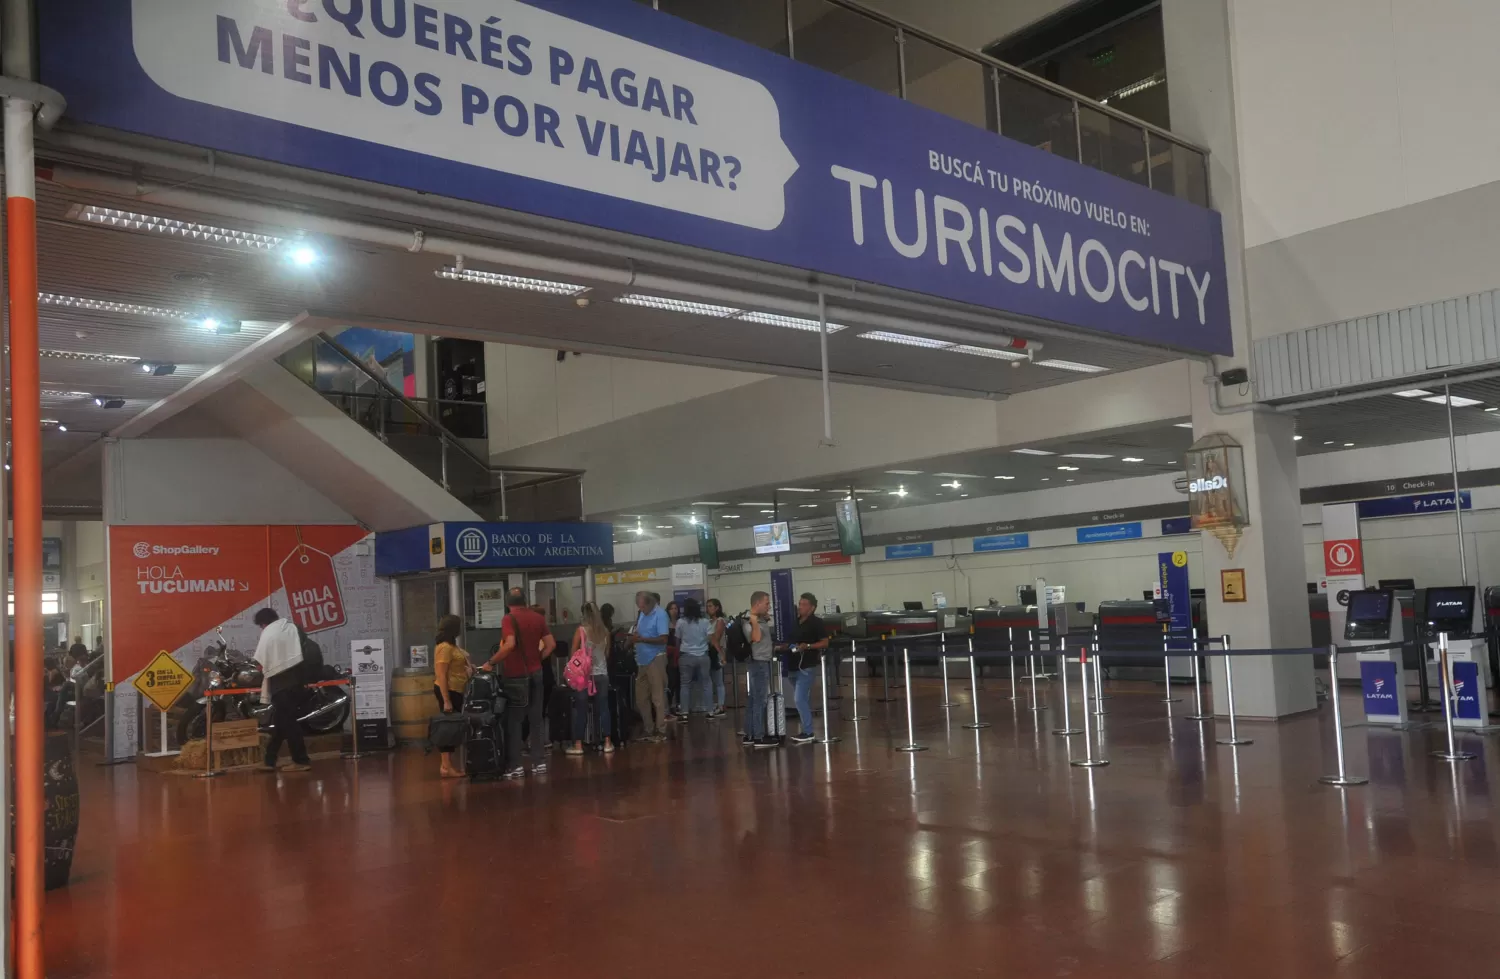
(100, 401)
(158, 370)
(303, 256)
(898, 491)
(61, 427)
(223, 327)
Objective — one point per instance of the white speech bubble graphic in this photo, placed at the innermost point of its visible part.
(210, 51)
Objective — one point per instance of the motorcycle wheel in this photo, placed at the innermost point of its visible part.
(331, 721)
(192, 726)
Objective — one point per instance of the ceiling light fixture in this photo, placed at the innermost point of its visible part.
(109, 217)
(992, 354)
(807, 506)
(663, 526)
(797, 489)
(157, 370)
(66, 394)
(1005, 477)
(898, 491)
(89, 357)
(1413, 393)
(954, 485)
(957, 475)
(303, 256)
(1298, 438)
(1067, 469)
(223, 327)
(500, 279)
(1183, 425)
(1033, 452)
(1086, 455)
(1071, 365)
(101, 401)
(676, 305)
(1132, 459)
(108, 306)
(1348, 445)
(903, 472)
(1488, 409)
(1458, 401)
(789, 322)
(906, 339)
(711, 503)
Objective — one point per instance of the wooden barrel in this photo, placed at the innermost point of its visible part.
(412, 703)
(60, 822)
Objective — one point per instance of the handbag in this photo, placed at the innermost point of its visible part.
(446, 732)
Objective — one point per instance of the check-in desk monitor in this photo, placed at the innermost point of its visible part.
(1451, 610)
(1372, 622)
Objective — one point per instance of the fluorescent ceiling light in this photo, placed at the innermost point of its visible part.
(1071, 365)
(796, 489)
(789, 322)
(67, 394)
(109, 217)
(1298, 438)
(867, 491)
(1458, 401)
(807, 506)
(1033, 452)
(1086, 455)
(676, 305)
(1348, 445)
(972, 351)
(1005, 477)
(1135, 88)
(954, 485)
(899, 491)
(903, 472)
(1138, 459)
(768, 511)
(906, 339)
(1183, 425)
(1487, 409)
(1067, 469)
(107, 306)
(957, 475)
(1413, 393)
(711, 503)
(730, 516)
(94, 358)
(663, 526)
(525, 283)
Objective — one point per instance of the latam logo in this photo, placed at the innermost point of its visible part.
(1205, 485)
(1379, 685)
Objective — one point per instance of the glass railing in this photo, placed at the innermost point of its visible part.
(419, 432)
(848, 39)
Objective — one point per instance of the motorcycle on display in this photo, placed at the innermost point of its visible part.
(322, 709)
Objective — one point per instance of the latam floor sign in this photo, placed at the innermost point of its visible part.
(609, 113)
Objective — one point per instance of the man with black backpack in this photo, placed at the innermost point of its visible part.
(754, 645)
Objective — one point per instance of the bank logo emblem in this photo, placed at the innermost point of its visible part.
(471, 545)
(141, 550)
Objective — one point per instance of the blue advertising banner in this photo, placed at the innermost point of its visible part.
(898, 552)
(608, 113)
(1377, 679)
(1002, 542)
(1104, 532)
(1172, 574)
(1176, 526)
(1466, 691)
(783, 604)
(1405, 506)
(493, 545)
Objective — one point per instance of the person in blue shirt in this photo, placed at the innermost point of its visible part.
(649, 639)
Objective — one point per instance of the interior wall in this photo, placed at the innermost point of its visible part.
(533, 397)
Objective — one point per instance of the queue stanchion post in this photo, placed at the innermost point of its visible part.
(974, 690)
(943, 657)
(1099, 694)
(1342, 777)
(208, 739)
(1036, 705)
(854, 660)
(1088, 760)
(911, 734)
(885, 671)
(1010, 632)
(1166, 673)
(1234, 739)
(827, 737)
(1093, 664)
(1452, 754)
(353, 753)
(1197, 714)
(1068, 730)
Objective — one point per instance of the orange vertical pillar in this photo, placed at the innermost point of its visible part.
(26, 512)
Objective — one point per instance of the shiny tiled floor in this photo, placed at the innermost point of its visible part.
(985, 855)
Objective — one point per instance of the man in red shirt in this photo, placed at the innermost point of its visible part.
(525, 643)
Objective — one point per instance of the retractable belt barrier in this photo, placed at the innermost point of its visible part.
(208, 718)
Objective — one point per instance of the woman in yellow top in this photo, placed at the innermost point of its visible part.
(451, 675)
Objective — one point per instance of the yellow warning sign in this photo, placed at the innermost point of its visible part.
(163, 680)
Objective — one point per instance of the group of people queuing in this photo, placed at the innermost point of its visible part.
(665, 668)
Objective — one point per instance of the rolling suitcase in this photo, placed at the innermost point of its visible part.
(624, 720)
(776, 708)
(484, 753)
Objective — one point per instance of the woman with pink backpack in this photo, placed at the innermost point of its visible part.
(587, 676)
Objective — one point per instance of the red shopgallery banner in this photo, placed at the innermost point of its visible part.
(170, 585)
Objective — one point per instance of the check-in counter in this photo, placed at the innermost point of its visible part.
(1129, 625)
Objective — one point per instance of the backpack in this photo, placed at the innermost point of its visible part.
(736, 643)
(579, 673)
(312, 655)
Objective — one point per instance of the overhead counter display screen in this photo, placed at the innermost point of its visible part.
(1369, 606)
(611, 114)
(773, 538)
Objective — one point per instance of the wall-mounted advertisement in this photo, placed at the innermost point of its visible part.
(172, 588)
(708, 545)
(389, 354)
(773, 538)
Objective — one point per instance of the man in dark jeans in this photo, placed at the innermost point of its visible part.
(525, 644)
(281, 644)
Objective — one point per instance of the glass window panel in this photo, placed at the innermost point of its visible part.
(1179, 171)
(946, 82)
(839, 40)
(1037, 117)
(1112, 145)
(758, 22)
